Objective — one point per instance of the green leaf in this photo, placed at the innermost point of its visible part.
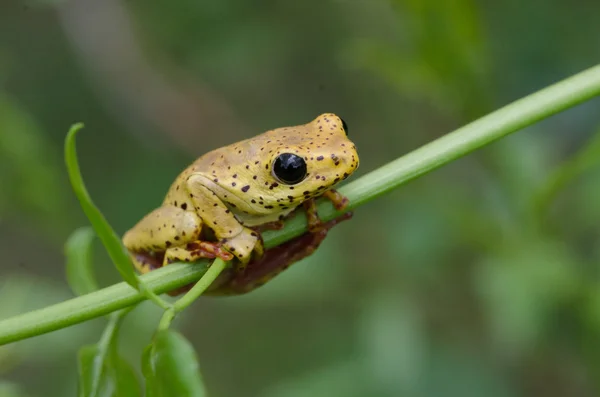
(152, 389)
(124, 378)
(105, 232)
(78, 250)
(100, 367)
(103, 372)
(171, 368)
(109, 238)
(91, 371)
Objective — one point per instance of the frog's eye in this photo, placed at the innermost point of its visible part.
(344, 126)
(289, 168)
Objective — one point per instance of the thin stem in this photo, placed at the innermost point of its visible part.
(494, 126)
(104, 346)
(166, 319)
(209, 277)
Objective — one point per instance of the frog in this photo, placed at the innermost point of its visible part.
(220, 204)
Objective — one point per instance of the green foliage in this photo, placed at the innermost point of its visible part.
(102, 371)
(171, 367)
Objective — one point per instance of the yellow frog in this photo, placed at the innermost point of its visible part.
(220, 203)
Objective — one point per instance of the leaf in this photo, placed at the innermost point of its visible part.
(104, 373)
(171, 368)
(152, 388)
(78, 250)
(123, 377)
(91, 370)
(101, 369)
(109, 238)
(105, 232)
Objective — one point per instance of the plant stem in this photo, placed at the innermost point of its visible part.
(498, 124)
(207, 279)
(96, 304)
(494, 126)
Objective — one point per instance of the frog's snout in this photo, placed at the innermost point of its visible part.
(346, 161)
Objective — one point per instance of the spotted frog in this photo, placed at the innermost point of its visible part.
(221, 203)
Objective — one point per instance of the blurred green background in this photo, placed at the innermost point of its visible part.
(478, 279)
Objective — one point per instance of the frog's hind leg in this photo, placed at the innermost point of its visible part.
(165, 227)
(169, 234)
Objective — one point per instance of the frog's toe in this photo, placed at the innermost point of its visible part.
(259, 248)
(206, 249)
(243, 245)
(196, 250)
(339, 201)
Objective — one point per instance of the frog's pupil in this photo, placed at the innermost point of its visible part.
(345, 126)
(289, 168)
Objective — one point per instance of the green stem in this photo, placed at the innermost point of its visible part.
(494, 126)
(207, 279)
(166, 319)
(105, 343)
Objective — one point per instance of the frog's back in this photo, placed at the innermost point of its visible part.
(251, 151)
(244, 168)
(213, 164)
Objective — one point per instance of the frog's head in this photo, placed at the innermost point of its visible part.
(313, 158)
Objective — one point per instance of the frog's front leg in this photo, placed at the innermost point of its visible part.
(277, 259)
(340, 202)
(241, 241)
(274, 261)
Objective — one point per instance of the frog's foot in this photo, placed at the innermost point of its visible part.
(196, 250)
(192, 252)
(274, 261)
(245, 246)
(340, 202)
(248, 244)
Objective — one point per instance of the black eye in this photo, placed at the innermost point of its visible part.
(345, 126)
(289, 168)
